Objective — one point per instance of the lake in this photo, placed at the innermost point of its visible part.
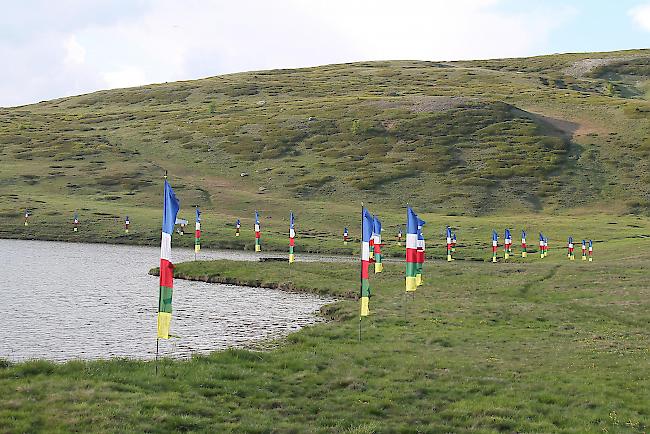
(63, 301)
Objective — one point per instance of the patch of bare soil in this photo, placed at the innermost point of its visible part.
(425, 104)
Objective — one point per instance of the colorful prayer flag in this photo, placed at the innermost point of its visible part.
(570, 254)
(420, 252)
(237, 226)
(399, 236)
(453, 242)
(258, 233)
(76, 222)
(507, 243)
(197, 231)
(495, 245)
(367, 223)
(376, 235)
(591, 251)
(26, 217)
(449, 240)
(127, 222)
(292, 235)
(170, 210)
(541, 245)
(524, 253)
(584, 250)
(345, 236)
(412, 221)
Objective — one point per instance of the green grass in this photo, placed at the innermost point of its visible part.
(536, 346)
(475, 138)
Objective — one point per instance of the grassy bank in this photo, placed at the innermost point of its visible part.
(537, 346)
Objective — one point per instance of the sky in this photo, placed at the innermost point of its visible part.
(59, 48)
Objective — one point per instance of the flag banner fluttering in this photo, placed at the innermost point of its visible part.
(399, 236)
(367, 223)
(197, 231)
(524, 253)
(453, 242)
(507, 244)
(545, 246)
(345, 236)
(413, 226)
(127, 222)
(26, 217)
(76, 222)
(258, 234)
(420, 253)
(584, 250)
(376, 235)
(170, 210)
(292, 235)
(541, 245)
(237, 226)
(591, 251)
(449, 258)
(495, 245)
(570, 253)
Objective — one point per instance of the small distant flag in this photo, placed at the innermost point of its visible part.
(541, 245)
(449, 240)
(292, 235)
(127, 222)
(170, 210)
(412, 220)
(258, 234)
(524, 253)
(376, 235)
(399, 236)
(367, 223)
(507, 243)
(26, 217)
(591, 251)
(237, 226)
(495, 245)
(197, 232)
(76, 222)
(345, 236)
(584, 250)
(545, 246)
(570, 254)
(420, 252)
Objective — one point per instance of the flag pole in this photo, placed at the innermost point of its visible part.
(361, 271)
(157, 338)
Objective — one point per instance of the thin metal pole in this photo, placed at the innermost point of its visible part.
(157, 341)
(361, 272)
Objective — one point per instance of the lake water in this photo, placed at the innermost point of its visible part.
(63, 301)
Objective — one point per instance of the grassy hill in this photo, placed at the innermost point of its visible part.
(552, 134)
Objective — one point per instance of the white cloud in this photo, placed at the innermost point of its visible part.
(75, 54)
(125, 77)
(167, 40)
(641, 16)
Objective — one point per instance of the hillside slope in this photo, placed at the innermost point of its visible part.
(550, 133)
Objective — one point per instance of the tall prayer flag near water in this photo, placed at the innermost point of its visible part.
(292, 235)
(376, 234)
(258, 234)
(170, 210)
(197, 231)
(366, 234)
(412, 223)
